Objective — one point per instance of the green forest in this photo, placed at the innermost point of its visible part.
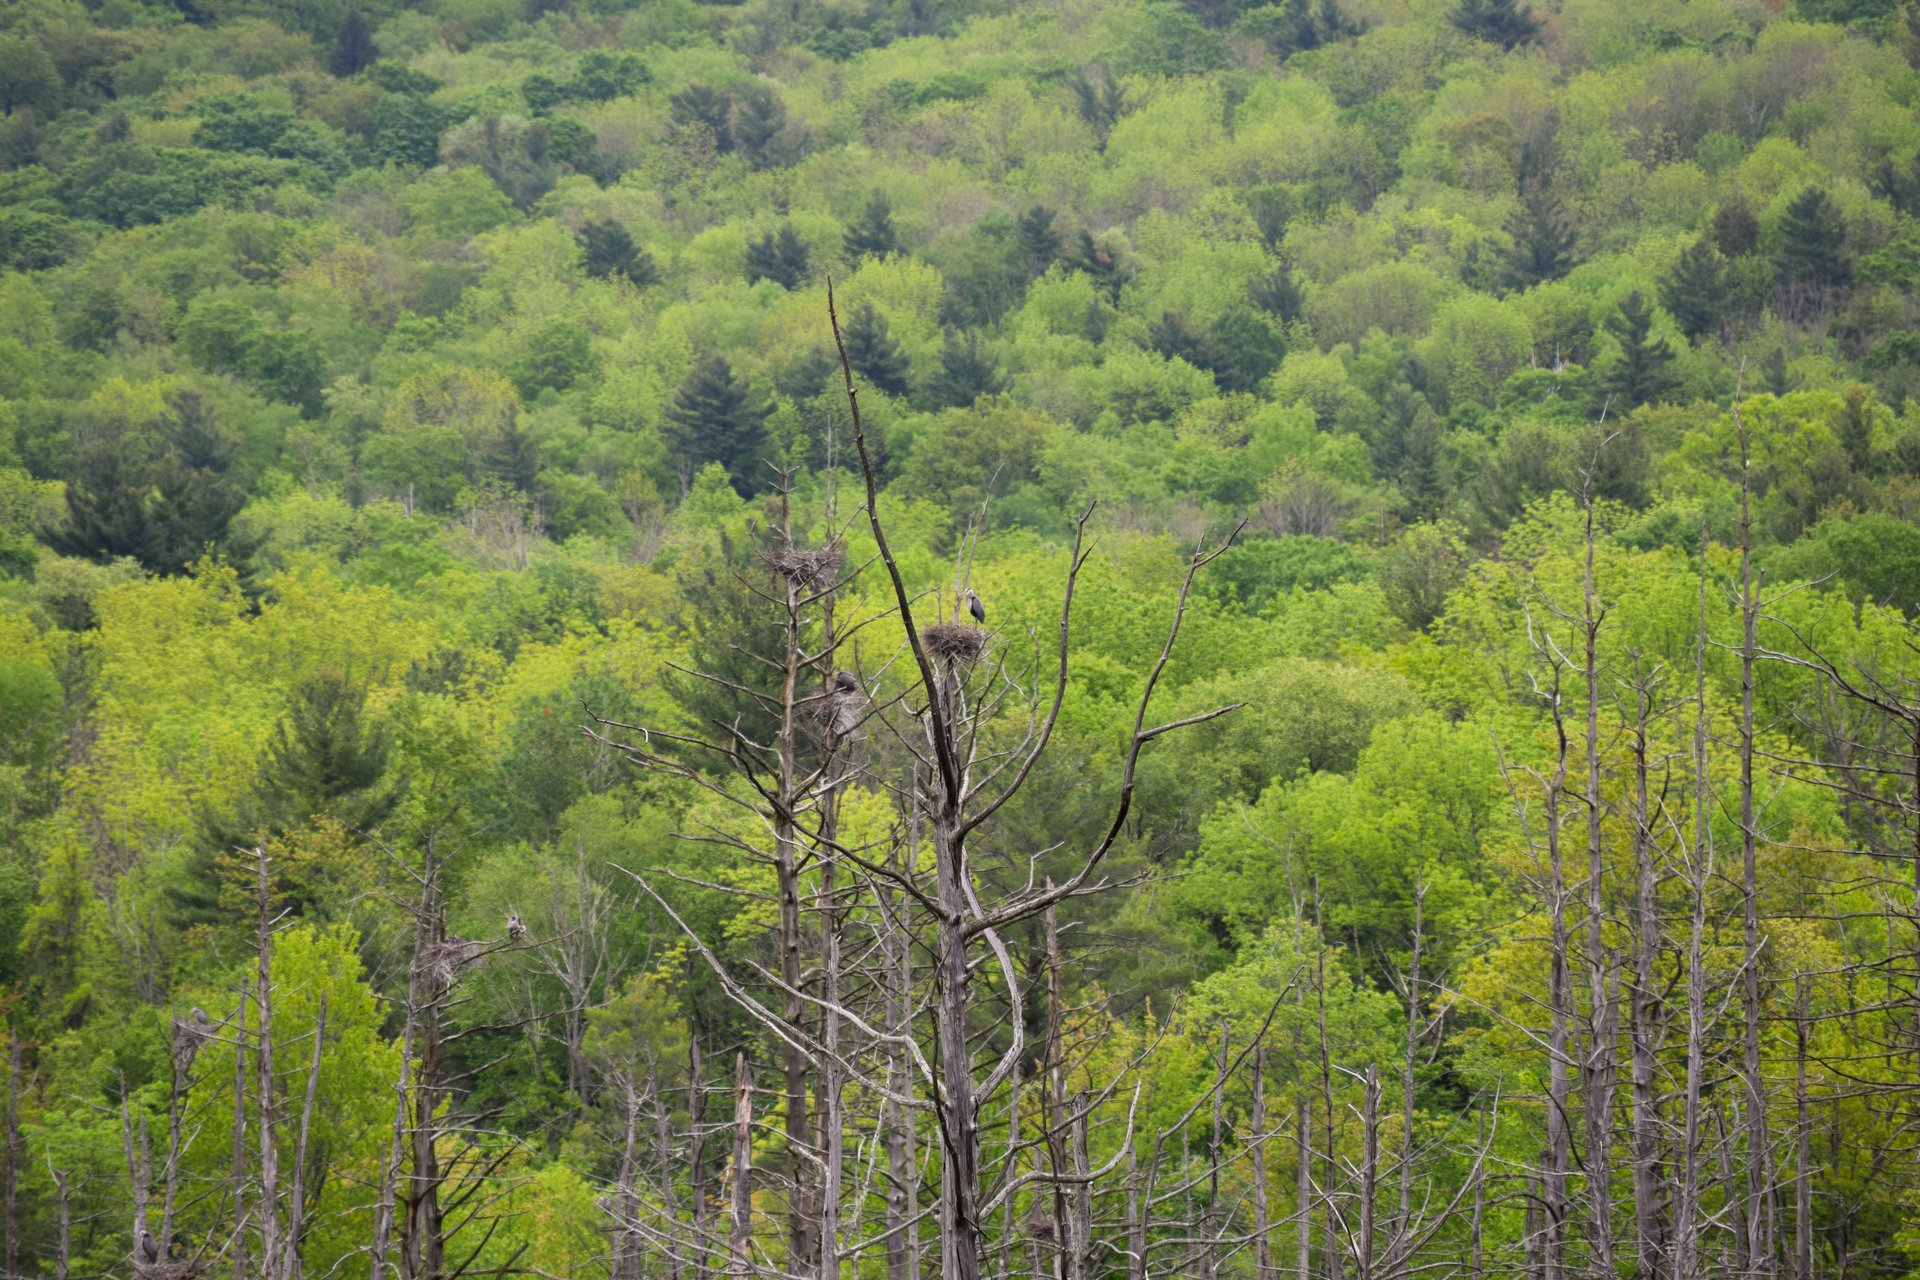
(878, 639)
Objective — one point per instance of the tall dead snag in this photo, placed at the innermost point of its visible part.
(1597, 1062)
(1645, 1013)
(740, 1239)
(954, 800)
(12, 1227)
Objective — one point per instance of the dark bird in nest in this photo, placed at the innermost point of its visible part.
(844, 682)
(971, 599)
(515, 929)
(200, 1019)
(149, 1247)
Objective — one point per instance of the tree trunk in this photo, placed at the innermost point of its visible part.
(740, 1246)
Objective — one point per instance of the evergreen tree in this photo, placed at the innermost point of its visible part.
(1695, 295)
(715, 418)
(1643, 371)
(1501, 22)
(759, 116)
(1174, 337)
(609, 251)
(1423, 466)
(353, 49)
(1774, 378)
(1542, 242)
(780, 257)
(1736, 230)
(106, 499)
(807, 374)
(873, 353)
(1038, 240)
(1101, 99)
(1277, 294)
(872, 235)
(1095, 260)
(1245, 349)
(708, 108)
(967, 372)
(1811, 261)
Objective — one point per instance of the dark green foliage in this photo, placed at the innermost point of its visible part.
(1277, 295)
(967, 372)
(1502, 22)
(1097, 261)
(1542, 241)
(872, 234)
(289, 365)
(1299, 26)
(28, 79)
(606, 74)
(1774, 378)
(167, 512)
(704, 107)
(1423, 474)
(1810, 259)
(1245, 349)
(1100, 97)
(1039, 240)
(759, 127)
(609, 251)
(1874, 556)
(778, 256)
(873, 352)
(353, 50)
(715, 418)
(1736, 229)
(808, 374)
(406, 130)
(127, 184)
(1898, 185)
(1173, 336)
(1695, 294)
(1643, 371)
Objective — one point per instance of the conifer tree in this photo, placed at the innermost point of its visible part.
(873, 353)
(872, 234)
(758, 118)
(1542, 242)
(1038, 240)
(1501, 22)
(610, 251)
(1643, 371)
(1423, 466)
(1695, 295)
(1277, 294)
(708, 108)
(967, 372)
(1101, 99)
(1736, 230)
(715, 418)
(1173, 336)
(778, 256)
(106, 515)
(1097, 261)
(1811, 258)
(353, 48)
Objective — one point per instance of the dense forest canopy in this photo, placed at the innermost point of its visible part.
(1342, 699)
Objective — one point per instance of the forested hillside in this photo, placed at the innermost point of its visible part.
(1341, 699)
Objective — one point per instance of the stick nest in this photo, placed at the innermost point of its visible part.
(441, 962)
(954, 641)
(189, 1034)
(801, 565)
(841, 713)
(184, 1269)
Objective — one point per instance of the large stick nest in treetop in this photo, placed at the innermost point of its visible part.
(441, 962)
(954, 640)
(802, 565)
(185, 1269)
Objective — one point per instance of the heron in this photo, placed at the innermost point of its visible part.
(844, 682)
(149, 1247)
(971, 599)
(200, 1019)
(515, 929)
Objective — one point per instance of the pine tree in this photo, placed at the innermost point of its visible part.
(1811, 259)
(1277, 294)
(1643, 371)
(1736, 230)
(873, 353)
(714, 418)
(106, 507)
(967, 372)
(610, 252)
(1038, 240)
(780, 257)
(1695, 295)
(1245, 349)
(1101, 99)
(1542, 242)
(708, 108)
(758, 118)
(1423, 466)
(1097, 261)
(353, 49)
(1501, 22)
(872, 235)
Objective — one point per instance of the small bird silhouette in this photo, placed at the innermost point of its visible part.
(844, 682)
(149, 1247)
(972, 600)
(515, 929)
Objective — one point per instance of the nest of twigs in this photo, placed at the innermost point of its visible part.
(954, 641)
(189, 1034)
(840, 712)
(184, 1269)
(441, 962)
(801, 565)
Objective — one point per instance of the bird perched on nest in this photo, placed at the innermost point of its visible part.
(844, 682)
(971, 599)
(149, 1247)
(515, 929)
(200, 1019)
(846, 706)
